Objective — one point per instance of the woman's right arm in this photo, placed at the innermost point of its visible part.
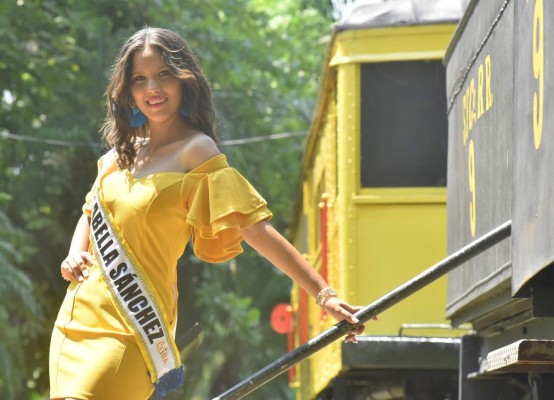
(75, 266)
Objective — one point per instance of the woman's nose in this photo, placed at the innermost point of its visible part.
(153, 84)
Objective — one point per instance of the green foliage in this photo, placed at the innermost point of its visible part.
(20, 316)
(233, 308)
(263, 59)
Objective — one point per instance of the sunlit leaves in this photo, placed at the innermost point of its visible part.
(20, 309)
(263, 58)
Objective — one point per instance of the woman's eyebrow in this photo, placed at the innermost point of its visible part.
(140, 72)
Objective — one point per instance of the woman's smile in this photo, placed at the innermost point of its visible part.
(156, 101)
(154, 89)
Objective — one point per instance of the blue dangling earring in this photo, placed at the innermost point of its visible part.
(183, 110)
(137, 119)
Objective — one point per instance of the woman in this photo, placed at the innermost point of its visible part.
(163, 182)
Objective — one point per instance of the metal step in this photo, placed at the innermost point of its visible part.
(527, 355)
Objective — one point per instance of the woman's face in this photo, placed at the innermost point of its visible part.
(156, 92)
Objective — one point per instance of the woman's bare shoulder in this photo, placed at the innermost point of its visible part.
(198, 149)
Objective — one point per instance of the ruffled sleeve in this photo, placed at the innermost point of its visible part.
(221, 203)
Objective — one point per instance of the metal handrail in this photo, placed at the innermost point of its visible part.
(370, 311)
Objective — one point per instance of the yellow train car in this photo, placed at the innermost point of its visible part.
(371, 211)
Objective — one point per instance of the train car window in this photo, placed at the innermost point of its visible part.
(404, 128)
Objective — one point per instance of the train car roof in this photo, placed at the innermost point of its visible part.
(385, 13)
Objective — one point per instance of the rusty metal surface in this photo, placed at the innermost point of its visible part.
(533, 239)
(522, 356)
(483, 181)
(480, 96)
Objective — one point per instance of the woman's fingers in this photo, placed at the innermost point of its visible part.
(67, 272)
(351, 338)
(341, 310)
(75, 266)
(344, 314)
(87, 257)
(78, 266)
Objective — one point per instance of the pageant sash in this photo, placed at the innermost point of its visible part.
(134, 296)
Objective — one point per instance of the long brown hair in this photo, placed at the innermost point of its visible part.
(182, 63)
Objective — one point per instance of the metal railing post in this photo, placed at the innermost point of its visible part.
(368, 312)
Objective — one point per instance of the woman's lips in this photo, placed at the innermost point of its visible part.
(156, 102)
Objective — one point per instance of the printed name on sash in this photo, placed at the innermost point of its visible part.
(126, 283)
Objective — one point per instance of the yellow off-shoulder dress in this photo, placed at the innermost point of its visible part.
(93, 355)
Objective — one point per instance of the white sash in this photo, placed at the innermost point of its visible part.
(134, 295)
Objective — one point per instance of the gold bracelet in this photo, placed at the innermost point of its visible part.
(324, 295)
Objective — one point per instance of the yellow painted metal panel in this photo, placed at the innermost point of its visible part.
(348, 149)
(425, 42)
(400, 195)
(395, 242)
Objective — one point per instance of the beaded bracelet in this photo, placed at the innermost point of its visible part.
(324, 295)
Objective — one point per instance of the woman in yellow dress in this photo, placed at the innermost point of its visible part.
(165, 183)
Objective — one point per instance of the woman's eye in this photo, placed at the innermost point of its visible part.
(165, 73)
(138, 78)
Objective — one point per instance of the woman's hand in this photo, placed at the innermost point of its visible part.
(341, 310)
(76, 265)
(268, 242)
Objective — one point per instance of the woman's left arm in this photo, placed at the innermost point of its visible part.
(265, 239)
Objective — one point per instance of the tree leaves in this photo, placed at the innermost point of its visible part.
(20, 307)
(263, 59)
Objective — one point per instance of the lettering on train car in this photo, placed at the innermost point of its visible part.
(472, 189)
(477, 101)
(538, 71)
